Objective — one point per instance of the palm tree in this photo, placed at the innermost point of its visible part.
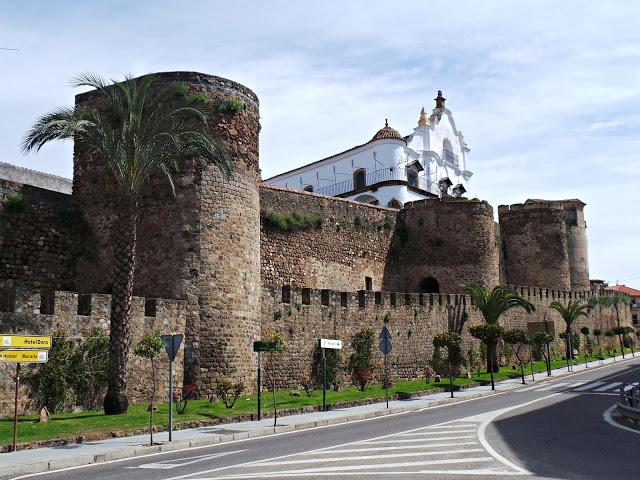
(492, 304)
(137, 139)
(570, 313)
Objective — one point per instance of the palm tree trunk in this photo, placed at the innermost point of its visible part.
(492, 358)
(124, 263)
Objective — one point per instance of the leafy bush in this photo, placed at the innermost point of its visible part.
(14, 203)
(231, 105)
(228, 392)
(292, 221)
(181, 399)
(333, 366)
(308, 385)
(360, 361)
(74, 376)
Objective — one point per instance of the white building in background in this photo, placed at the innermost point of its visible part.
(391, 169)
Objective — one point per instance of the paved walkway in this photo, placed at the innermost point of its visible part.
(52, 458)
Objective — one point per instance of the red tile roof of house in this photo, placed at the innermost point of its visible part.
(624, 289)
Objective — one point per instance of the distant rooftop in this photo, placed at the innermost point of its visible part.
(624, 289)
(34, 178)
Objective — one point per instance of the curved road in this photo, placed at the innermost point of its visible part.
(545, 430)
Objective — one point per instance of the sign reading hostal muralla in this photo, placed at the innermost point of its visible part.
(24, 341)
(24, 356)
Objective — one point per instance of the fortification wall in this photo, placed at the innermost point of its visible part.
(351, 243)
(534, 243)
(413, 320)
(451, 242)
(39, 244)
(202, 244)
(33, 315)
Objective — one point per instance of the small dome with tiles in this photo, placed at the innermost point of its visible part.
(386, 133)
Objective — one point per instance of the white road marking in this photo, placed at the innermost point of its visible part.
(609, 419)
(588, 386)
(609, 386)
(411, 440)
(169, 464)
(437, 432)
(551, 387)
(366, 457)
(383, 449)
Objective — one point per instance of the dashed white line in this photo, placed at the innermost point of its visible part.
(609, 386)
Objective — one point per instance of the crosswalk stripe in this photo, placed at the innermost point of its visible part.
(365, 457)
(609, 386)
(457, 425)
(382, 449)
(588, 386)
(551, 387)
(411, 440)
(441, 432)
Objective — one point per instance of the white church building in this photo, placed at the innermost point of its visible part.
(392, 169)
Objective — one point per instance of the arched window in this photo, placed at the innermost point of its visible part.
(359, 179)
(447, 152)
(394, 203)
(308, 188)
(429, 285)
(370, 199)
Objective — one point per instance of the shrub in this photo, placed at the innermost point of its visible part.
(14, 203)
(228, 392)
(88, 370)
(333, 366)
(292, 221)
(181, 399)
(231, 105)
(362, 378)
(308, 385)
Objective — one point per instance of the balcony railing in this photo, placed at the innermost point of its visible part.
(450, 157)
(372, 178)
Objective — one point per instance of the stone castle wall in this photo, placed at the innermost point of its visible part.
(39, 245)
(352, 243)
(413, 320)
(29, 316)
(534, 245)
(449, 241)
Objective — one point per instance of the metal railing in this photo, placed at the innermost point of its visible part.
(629, 401)
(378, 176)
(450, 157)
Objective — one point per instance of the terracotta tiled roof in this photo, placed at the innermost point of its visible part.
(624, 289)
(386, 133)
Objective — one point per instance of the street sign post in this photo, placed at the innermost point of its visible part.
(172, 345)
(25, 341)
(546, 326)
(21, 349)
(333, 345)
(385, 347)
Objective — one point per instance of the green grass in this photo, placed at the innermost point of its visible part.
(87, 423)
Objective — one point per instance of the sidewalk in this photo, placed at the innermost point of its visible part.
(51, 458)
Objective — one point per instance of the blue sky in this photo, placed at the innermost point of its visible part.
(547, 93)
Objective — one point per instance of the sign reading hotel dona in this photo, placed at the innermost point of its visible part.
(330, 343)
(24, 356)
(25, 341)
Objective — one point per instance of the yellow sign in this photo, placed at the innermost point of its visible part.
(24, 341)
(24, 356)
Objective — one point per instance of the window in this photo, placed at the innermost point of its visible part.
(306, 296)
(378, 298)
(368, 283)
(412, 178)
(308, 188)
(344, 299)
(447, 152)
(150, 307)
(7, 300)
(324, 297)
(359, 179)
(84, 304)
(634, 319)
(429, 285)
(362, 299)
(47, 302)
(286, 294)
(394, 203)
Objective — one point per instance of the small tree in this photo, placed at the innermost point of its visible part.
(540, 341)
(585, 332)
(597, 333)
(518, 339)
(360, 362)
(489, 334)
(620, 332)
(273, 345)
(451, 342)
(150, 347)
(570, 313)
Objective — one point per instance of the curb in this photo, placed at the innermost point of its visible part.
(10, 471)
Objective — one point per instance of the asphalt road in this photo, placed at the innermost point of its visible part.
(548, 430)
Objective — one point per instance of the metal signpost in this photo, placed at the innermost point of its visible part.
(21, 349)
(385, 348)
(324, 344)
(258, 347)
(172, 345)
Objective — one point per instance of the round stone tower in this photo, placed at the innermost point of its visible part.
(441, 244)
(201, 244)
